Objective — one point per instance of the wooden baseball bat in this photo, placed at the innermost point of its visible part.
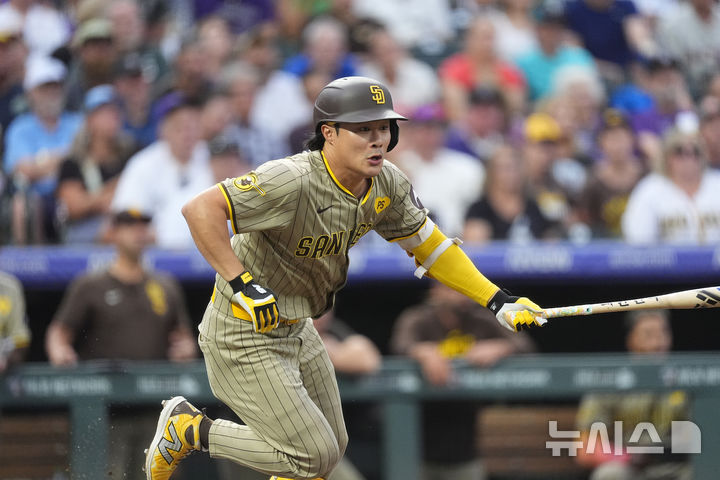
(707, 297)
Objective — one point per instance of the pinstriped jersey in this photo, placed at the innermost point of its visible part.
(294, 224)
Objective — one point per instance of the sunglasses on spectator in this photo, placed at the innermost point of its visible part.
(687, 151)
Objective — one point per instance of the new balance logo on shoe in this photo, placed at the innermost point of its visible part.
(165, 445)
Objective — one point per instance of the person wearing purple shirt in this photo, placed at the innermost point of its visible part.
(601, 25)
(242, 15)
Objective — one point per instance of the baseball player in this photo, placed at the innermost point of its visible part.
(294, 221)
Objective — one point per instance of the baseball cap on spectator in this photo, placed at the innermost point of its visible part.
(171, 103)
(89, 9)
(99, 96)
(10, 26)
(129, 216)
(550, 13)
(541, 127)
(430, 113)
(93, 29)
(486, 96)
(221, 145)
(41, 70)
(128, 65)
(613, 118)
(661, 62)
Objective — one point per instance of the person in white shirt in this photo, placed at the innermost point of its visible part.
(448, 181)
(678, 205)
(413, 83)
(161, 178)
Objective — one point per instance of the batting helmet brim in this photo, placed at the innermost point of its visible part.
(369, 115)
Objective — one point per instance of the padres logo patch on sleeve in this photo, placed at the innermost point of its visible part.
(381, 203)
(248, 182)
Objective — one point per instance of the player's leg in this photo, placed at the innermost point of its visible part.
(258, 376)
(318, 376)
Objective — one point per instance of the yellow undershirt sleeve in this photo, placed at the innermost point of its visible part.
(455, 269)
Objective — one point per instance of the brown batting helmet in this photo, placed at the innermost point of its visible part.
(356, 100)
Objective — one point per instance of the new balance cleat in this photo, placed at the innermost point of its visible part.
(177, 436)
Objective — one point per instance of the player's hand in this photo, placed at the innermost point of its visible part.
(513, 312)
(258, 301)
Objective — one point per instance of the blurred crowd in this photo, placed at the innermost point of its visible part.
(530, 119)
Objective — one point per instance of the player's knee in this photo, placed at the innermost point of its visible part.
(323, 461)
(342, 442)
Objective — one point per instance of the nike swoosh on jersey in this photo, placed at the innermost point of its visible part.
(321, 210)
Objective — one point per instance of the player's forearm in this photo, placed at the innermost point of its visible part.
(207, 219)
(58, 345)
(454, 269)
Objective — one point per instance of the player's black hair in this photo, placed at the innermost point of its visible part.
(317, 141)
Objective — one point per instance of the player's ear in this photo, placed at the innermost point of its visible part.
(329, 132)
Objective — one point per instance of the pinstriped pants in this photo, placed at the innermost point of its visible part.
(283, 386)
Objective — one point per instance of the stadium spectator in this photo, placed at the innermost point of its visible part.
(226, 160)
(129, 32)
(88, 176)
(483, 127)
(478, 66)
(44, 28)
(648, 334)
(217, 41)
(413, 83)
(612, 177)
(554, 181)
(678, 204)
(257, 141)
(93, 59)
(37, 141)
(325, 48)
(613, 31)
(216, 114)
(189, 75)
(444, 328)
(541, 66)
(182, 160)
(692, 35)
(313, 82)
(123, 313)
(279, 100)
(577, 104)
(446, 180)
(241, 15)
(515, 29)
(424, 27)
(133, 88)
(12, 69)
(14, 332)
(505, 211)
(710, 129)
(670, 97)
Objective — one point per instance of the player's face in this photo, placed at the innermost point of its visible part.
(650, 335)
(361, 146)
(132, 238)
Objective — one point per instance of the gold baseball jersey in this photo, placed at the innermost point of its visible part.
(14, 332)
(294, 224)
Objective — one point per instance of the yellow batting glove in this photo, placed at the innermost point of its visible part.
(259, 302)
(513, 312)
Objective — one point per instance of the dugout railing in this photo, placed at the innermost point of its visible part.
(88, 391)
